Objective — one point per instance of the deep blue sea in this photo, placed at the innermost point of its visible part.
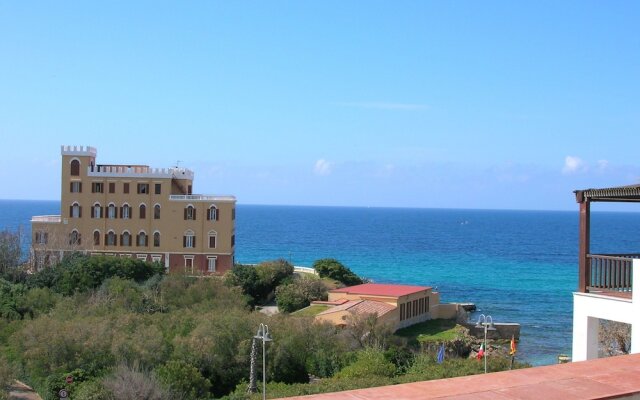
(517, 266)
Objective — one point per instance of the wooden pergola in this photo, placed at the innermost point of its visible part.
(610, 272)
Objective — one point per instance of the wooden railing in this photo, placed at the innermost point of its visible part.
(610, 272)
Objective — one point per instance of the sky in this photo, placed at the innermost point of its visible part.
(444, 104)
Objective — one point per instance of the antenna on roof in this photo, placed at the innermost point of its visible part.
(178, 163)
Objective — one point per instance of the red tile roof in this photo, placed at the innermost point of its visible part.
(604, 378)
(361, 307)
(377, 289)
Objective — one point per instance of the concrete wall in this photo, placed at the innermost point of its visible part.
(503, 330)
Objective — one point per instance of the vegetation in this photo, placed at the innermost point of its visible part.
(300, 293)
(334, 269)
(435, 330)
(311, 311)
(124, 330)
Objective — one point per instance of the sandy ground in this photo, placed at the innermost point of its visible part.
(20, 391)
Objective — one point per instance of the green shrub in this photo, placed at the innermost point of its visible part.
(334, 269)
(299, 294)
(183, 380)
(369, 362)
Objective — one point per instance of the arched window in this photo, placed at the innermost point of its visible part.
(213, 235)
(212, 213)
(75, 210)
(75, 167)
(156, 239)
(74, 238)
(96, 211)
(125, 211)
(141, 240)
(189, 239)
(112, 211)
(111, 239)
(190, 212)
(143, 211)
(156, 211)
(96, 238)
(125, 239)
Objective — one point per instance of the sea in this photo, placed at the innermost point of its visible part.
(516, 266)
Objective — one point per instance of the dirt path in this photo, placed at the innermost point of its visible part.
(20, 391)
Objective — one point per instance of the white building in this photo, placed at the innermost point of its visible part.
(605, 282)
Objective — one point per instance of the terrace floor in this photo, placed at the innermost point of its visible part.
(605, 378)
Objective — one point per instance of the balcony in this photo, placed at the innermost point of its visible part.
(200, 197)
(46, 219)
(610, 274)
(605, 281)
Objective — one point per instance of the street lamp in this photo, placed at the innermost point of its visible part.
(487, 322)
(263, 334)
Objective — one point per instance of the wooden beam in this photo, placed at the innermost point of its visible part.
(584, 268)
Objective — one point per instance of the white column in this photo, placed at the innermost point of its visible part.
(585, 332)
(635, 301)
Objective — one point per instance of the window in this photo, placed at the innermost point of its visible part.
(110, 239)
(143, 211)
(402, 312)
(156, 239)
(75, 167)
(97, 187)
(212, 213)
(75, 211)
(111, 211)
(158, 188)
(125, 239)
(125, 212)
(96, 211)
(42, 237)
(189, 239)
(212, 239)
(142, 239)
(142, 257)
(112, 187)
(233, 240)
(125, 187)
(415, 308)
(74, 238)
(190, 213)
(143, 188)
(211, 264)
(76, 187)
(156, 257)
(189, 188)
(156, 211)
(233, 214)
(408, 310)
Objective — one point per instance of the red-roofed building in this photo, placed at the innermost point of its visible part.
(398, 305)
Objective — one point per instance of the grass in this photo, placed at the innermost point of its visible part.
(435, 330)
(310, 311)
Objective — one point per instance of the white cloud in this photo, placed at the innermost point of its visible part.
(603, 164)
(573, 165)
(386, 105)
(323, 167)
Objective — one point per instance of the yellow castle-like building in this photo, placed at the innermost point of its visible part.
(135, 211)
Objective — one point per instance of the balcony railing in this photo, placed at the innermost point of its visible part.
(48, 219)
(200, 197)
(610, 272)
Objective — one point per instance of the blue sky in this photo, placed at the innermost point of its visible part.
(416, 104)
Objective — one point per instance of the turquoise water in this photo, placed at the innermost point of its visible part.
(517, 266)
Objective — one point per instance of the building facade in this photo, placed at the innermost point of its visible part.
(135, 211)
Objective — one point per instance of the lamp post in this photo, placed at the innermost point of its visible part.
(263, 334)
(487, 322)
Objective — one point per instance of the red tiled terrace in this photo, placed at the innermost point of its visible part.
(605, 378)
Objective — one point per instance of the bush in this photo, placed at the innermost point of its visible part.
(369, 362)
(128, 383)
(300, 294)
(260, 281)
(6, 377)
(334, 269)
(183, 380)
(92, 390)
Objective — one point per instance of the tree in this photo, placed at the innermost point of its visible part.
(10, 252)
(184, 380)
(300, 294)
(334, 269)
